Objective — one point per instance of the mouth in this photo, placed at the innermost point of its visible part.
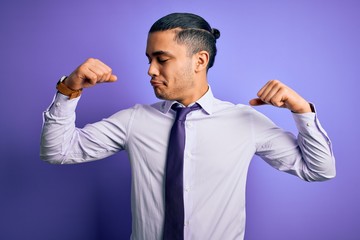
(156, 83)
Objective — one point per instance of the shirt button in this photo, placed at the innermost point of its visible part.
(187, 189)
(189, 125)
(186, 224)
(58, 104)
(308, 124)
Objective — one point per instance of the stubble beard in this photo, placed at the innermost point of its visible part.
(181, 85)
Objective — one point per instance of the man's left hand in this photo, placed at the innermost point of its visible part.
(278, 94)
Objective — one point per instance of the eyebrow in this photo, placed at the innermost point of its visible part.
(159, 53)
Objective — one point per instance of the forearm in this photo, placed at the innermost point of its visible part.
(308, 156)
(316, 150)
(63, 143)
(58, 129)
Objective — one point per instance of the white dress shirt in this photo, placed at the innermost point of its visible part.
(221, 140)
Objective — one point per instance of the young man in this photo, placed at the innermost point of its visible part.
(219, 143)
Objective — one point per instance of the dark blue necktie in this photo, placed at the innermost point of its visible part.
(174, 198)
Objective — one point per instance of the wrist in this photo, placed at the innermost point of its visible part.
(66, 90)
(305, 109)
(70, 84)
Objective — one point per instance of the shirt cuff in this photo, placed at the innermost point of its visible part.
(305, 122)
(62, 106)
(308, 124)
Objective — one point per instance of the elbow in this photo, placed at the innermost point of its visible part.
(330, 175)
(51, 154)
(51, 159)
(321, 172)
(323, 176)
(330, 172)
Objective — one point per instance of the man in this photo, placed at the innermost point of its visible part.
(220, 137)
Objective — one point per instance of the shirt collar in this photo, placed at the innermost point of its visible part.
(206, 102)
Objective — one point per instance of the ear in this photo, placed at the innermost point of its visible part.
(201, 61)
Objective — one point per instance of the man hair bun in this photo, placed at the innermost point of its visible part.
(215, 32)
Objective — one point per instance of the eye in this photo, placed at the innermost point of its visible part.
(162, 60)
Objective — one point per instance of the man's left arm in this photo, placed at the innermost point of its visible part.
(313, 141)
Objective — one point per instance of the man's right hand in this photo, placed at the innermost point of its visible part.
(88, 74)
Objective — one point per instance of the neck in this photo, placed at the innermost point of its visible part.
(196, 96)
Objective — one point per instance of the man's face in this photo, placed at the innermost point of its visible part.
(171, 68)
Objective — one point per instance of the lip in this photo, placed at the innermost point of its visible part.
(156, 83)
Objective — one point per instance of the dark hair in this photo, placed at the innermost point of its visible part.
(195, 33)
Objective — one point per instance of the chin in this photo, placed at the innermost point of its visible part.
(162, 96)
(159, 95)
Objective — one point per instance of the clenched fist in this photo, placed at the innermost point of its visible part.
(88, 74)
(278, 94)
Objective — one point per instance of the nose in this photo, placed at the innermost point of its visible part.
(153, 71)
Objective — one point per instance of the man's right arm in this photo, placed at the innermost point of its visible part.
(62, 142)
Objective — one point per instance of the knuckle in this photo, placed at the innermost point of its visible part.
(93, 77)
(81, 69)
(276, 83)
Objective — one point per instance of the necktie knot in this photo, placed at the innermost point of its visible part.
(181, 112)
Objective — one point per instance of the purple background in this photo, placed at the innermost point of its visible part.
(311, 45)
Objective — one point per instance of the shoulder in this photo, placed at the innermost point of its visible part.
(238, 111)
(220, 105)
(155, 109)
(136, 113)
(144, 107)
